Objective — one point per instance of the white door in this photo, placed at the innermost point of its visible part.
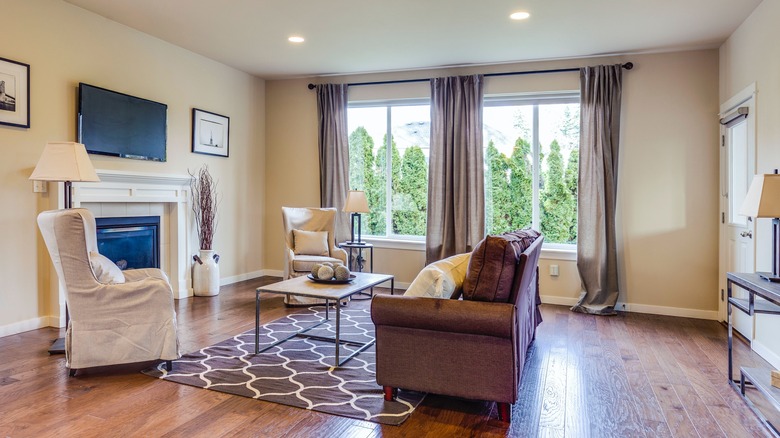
(738, 167)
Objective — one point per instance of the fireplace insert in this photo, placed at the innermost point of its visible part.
(130, 242)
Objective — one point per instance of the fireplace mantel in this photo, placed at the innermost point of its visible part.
(117, 186)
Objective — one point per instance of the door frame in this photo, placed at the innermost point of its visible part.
(746, 97)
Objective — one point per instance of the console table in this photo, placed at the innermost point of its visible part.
(758, 377)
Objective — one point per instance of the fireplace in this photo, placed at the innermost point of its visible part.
(130, 242)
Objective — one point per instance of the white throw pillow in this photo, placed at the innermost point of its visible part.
(311, 243)
(440, 279)
(106, 271)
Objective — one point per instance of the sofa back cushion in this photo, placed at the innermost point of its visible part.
(493, 263)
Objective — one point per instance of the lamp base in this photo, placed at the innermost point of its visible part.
(768, 276)
(58, 346)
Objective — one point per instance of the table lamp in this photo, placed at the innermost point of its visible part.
(763, 200)
(66, 162)
(356, 204)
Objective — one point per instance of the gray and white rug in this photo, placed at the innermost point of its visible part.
(298, 372)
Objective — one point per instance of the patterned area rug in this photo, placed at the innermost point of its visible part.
(298, 372)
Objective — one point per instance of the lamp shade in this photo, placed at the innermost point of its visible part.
(356, 202)
(763, 197)
(64, 161)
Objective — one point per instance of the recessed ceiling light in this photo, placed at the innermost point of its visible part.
(520, 15)
(295, 39)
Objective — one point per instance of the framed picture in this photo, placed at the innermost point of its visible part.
(210, 133)
(14, 93)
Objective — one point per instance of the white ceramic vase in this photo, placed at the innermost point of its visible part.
(205, 274)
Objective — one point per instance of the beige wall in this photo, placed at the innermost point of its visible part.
(66, 45)
(751, 55)
(668, 173)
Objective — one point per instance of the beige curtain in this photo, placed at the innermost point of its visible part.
(600, 94)
(456, 183)
(334, 152)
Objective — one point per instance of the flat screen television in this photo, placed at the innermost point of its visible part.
(120, 125)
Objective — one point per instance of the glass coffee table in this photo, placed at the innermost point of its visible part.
(304, 287)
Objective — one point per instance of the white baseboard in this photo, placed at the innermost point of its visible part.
(27, 325)
(558, 301)
(241, 277)
(641, 308)
(272, 273)
(769, 355)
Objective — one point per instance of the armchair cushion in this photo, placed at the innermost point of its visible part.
(106, 271)
(440, 279)
(305, 263)
(492, 266)
(310, 242)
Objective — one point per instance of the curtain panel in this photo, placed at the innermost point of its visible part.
(600, 96)
(456, 182)
(334, 152)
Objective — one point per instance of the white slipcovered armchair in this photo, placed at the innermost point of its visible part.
(301, 256)
(116, 316)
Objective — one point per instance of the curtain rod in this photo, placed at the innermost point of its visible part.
(627, 66)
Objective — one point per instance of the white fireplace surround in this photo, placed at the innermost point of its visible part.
(118, 186)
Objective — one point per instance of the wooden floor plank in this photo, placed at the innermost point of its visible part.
(631, 375)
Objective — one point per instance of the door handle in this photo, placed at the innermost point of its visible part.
(746, 234)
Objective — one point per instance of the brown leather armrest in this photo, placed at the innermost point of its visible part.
(470, 317)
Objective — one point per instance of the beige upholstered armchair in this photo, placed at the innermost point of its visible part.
(316, 242)
(116, 316)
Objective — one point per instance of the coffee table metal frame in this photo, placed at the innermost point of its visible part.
(302, 286)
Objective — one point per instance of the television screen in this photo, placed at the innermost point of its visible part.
(116, 124)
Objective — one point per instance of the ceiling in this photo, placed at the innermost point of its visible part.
(357, 36)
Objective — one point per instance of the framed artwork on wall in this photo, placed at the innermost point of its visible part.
(210, 133)
(14, 93)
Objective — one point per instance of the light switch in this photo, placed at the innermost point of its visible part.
(40, 186)
(553, 270)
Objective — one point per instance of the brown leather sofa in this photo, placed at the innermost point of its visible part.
(457, 347)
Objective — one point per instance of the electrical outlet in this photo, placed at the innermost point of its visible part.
(40, 186)
(553, 270)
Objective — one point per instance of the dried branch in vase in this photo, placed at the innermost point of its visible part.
(205, 201)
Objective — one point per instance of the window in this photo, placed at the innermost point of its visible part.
(397, 194)
(531, 164)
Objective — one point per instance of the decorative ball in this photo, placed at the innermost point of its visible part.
(325, 273)
(327, 264)
(341, 272)
(315, 269)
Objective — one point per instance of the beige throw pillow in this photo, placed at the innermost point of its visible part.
(310, 243)
(106, 271)
(440, 279)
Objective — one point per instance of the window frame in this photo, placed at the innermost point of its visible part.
(550, 251)
(536, 99)
(391, 239)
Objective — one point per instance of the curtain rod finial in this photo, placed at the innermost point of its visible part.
(311, 86)
(628, 65)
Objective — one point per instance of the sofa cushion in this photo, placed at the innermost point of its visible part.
(440, 279)
(304, 263)
(492, 266)
(311, 242)
(106, 271)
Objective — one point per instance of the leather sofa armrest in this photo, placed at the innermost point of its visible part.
(454, 316)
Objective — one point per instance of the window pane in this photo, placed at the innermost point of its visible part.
(559, 135)
(515, 131)
(411, 136)
(405, 183)
(368, 128)
(508, 167)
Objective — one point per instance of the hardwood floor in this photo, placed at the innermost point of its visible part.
(631, 375)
